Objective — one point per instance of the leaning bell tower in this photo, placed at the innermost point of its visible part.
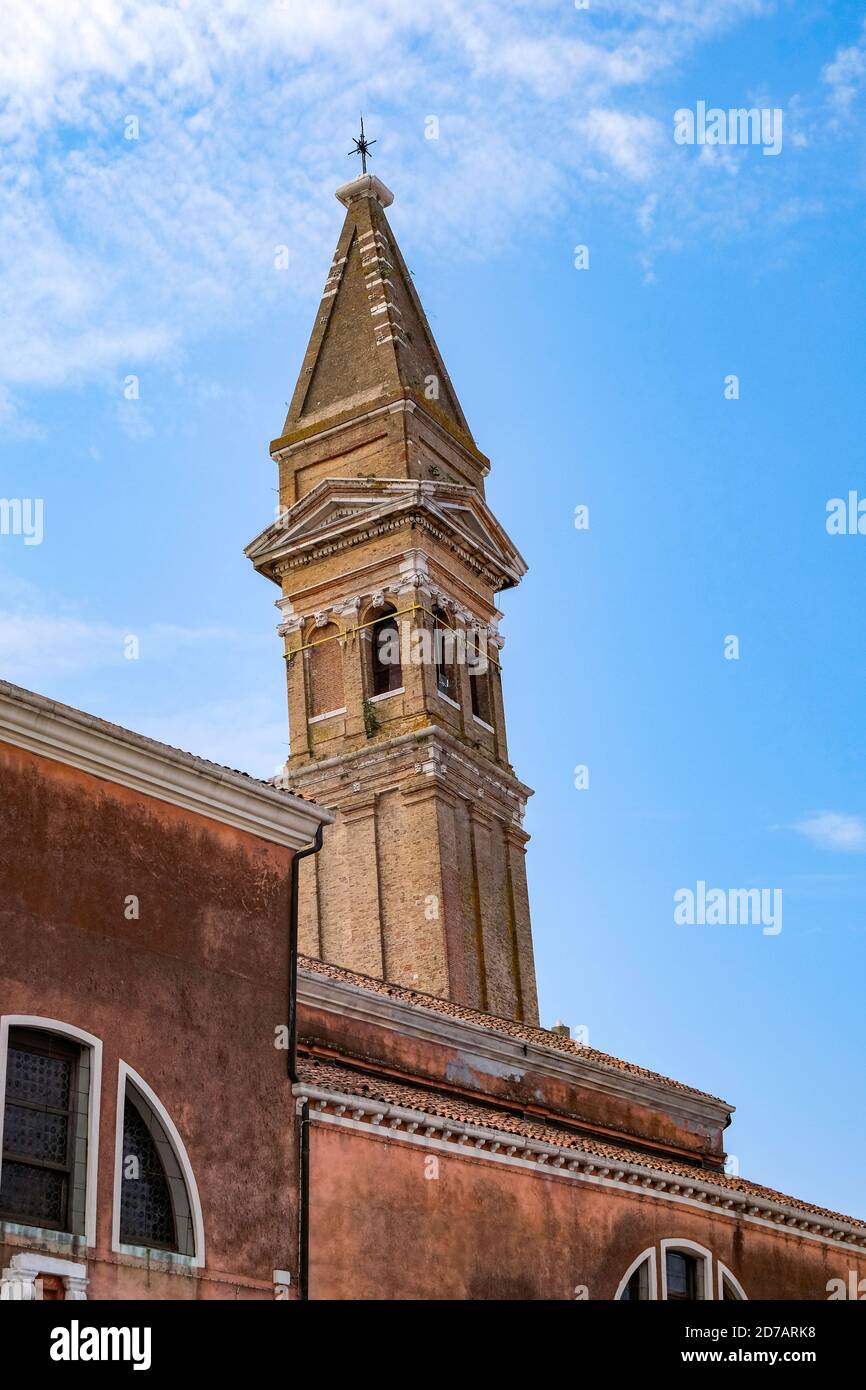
(388, 562)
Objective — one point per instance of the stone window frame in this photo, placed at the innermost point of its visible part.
(724, 1276)
(20, 1279)
(481, 696)
(703, 1258)
(712, 1273)
(646, 1257)
(126, 1076)
(444, 671)
(69, 1031)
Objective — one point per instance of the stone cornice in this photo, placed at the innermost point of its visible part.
(375, 507)
(130, 760)
(441, 745)
(400, 402)
(503, 1146)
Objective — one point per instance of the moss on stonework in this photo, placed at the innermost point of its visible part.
(371, 723)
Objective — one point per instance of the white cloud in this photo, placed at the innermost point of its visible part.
(835, 831)
(846, 75)
(38, 647)
(627, 142)
(646, 212)
(115, 252)
(14, 424)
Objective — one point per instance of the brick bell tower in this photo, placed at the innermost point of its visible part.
(389, 561)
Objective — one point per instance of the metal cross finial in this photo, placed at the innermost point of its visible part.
(362, 147)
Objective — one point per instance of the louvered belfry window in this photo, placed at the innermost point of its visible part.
(44, 1131)
(146, 1207)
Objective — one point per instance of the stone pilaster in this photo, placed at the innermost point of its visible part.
(518, 893)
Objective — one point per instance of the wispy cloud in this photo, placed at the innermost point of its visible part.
(626, 142)
(846, 74)
(118, 252)
(834, 830)
(39, 645)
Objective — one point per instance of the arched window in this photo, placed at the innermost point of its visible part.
(687, 1271)
(444, 654)
(156, 1201)
(386, 670)
(639, 1281)
(50, 1125)
(325, 657)
(686, 1275)
(479, 676)
(681, 1272)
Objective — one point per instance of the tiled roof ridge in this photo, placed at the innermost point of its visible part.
(526, 1032)
(331, 1075)
(572, 1123)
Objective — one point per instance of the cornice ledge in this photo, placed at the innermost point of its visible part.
(379, 751)
(573, 1162)
(131, 760)
(390, 501)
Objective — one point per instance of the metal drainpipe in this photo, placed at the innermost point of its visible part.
(293, 953)
(303, 1114)
(304, 1201)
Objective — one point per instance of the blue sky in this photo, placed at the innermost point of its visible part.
(155, 258)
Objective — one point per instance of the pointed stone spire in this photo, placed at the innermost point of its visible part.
(371, 344)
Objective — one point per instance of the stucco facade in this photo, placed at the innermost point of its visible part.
(160, 932)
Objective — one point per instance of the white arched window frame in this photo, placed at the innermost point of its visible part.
(711, 1288)
(64, 1030)
(705, 1265)
(724, 1275)
(125, 1074)
(647, 1257)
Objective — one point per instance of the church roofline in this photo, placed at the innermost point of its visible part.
(430, 1118)
(114, 754)
(607, 1066)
